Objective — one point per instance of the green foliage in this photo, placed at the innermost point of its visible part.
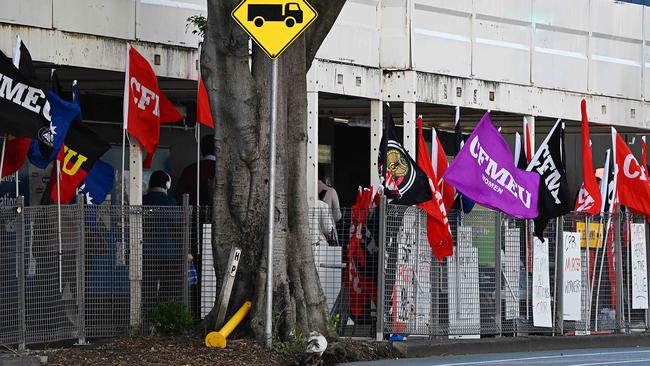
(334, 322)
(295, 346)
(199, 23)
(172, 318)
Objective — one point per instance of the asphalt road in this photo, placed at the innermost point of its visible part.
(582, 357)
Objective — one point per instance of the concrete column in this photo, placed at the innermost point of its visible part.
(376, 132)
(409, 128)
(312, 148)
(135, 231)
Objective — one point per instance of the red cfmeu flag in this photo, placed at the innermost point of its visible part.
(15, 154)
(440, 166)
(145, 106)
(203, 111)
(528, 145)
(81, 150)
(631, 180)
(589, 198)
(438, 232)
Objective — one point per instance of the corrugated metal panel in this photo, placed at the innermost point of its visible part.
(110, 18)
(505, 9)
(395, 35)
(441, 25)
(22, 12)
(561, 43)
(646, 53)
(165, 21)
(616, 49)
(358, 17)
(501, 51)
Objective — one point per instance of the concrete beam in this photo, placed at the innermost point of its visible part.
(103, 53)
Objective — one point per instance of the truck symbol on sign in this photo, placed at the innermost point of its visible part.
(290, 14)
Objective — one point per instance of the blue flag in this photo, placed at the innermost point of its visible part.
(98, 184)
(63, 113)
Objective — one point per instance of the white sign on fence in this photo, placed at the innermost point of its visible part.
(639, 267)
(572, 279)
(511, 273)
(541, 285)
(464, 302)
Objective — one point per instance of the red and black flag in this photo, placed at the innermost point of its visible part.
(82, 149)
(404, 182)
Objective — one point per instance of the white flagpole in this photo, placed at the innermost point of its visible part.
(126, 120)
(198, 175)
(58, 210)
(2, 157)
(517, 147)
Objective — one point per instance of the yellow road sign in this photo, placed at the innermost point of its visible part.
(274, 24)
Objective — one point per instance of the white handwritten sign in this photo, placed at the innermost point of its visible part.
(572, 279)
(639, 267)
(541, 285)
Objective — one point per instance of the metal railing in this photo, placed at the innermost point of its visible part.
(76, 280)
(500, 280)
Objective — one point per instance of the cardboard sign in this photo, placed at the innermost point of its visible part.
(639, 267)
(571, 277)
(595, 234)
(541, 285)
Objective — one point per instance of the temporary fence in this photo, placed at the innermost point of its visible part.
(71, 273)
(380, 278)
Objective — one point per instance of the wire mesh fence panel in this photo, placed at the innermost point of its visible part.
(10, 290)
(515, 286)
(346, 258)
(164, 257)
(107, 272)
(408, 281)
(603, 276)
(51, 287)
(635, 280)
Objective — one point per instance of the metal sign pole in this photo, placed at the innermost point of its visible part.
(269, 238)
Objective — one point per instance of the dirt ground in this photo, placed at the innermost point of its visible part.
(186, 350)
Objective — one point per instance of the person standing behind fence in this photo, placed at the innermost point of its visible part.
(327, 193)
(162, 256)
(187, 185)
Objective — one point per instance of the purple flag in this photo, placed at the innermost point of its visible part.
(484, 171)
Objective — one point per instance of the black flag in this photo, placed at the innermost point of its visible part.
(404, 182)
(554, 198)
(520, 154)
(24, 108)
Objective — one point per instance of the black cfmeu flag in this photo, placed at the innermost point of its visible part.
(404, 182)
(24, 108)
(82, 149)
(549, 163)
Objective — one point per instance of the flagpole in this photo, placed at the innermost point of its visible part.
(271, 213)
(58, 210)
(2, 157)
(198, 176)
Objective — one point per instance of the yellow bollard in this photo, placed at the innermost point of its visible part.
(218, 339)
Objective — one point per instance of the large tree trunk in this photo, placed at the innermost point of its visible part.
(240, 99)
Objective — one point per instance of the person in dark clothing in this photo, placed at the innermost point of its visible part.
(162, 252)
(187, 181)
(159, 184)
(187, 185)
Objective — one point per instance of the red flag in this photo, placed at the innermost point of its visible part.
(589, 198)
(438, 232)
(203, 111)
(168, 113)
(145, 106)
(15, 154)
(440, 166)
(631, 181)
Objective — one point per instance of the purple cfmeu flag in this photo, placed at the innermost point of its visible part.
(484, 171)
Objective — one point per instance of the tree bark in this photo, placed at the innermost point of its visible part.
(240, 99)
